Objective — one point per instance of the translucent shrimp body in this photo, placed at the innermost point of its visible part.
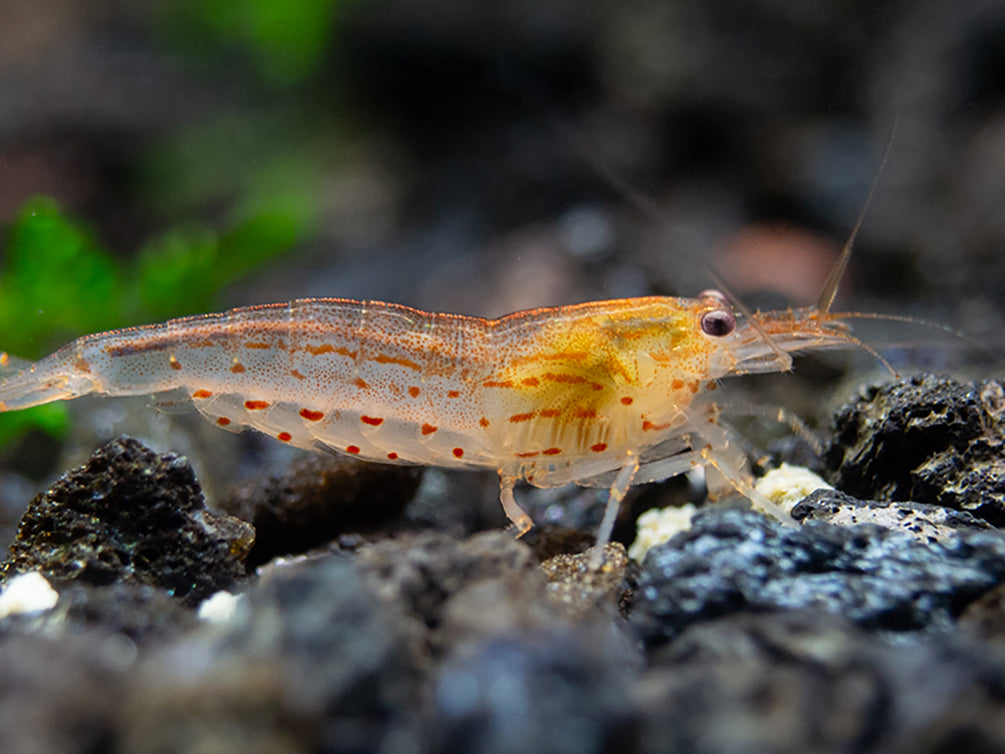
(600, 393)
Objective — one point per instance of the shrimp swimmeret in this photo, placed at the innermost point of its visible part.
(608, 393)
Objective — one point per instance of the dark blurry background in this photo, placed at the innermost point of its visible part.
(487, 157)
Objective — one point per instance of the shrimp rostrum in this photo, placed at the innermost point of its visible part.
(607, 393)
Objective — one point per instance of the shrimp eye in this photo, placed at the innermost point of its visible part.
(717, 322)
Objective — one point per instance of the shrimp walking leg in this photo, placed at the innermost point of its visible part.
(622, 482)
(514, 512)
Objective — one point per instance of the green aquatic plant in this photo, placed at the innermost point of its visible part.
(57, 282)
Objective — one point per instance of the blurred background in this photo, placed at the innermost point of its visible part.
(174, 157)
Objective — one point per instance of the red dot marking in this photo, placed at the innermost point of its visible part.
(458, 452)
(550, 413)
(585, 413)
(297, 374)
(627, 400)
(373, 421)
(413, 391)
(352, 449)
(677, 384)
(521, 417)
(360, 383)
(237, 368)
(256, 405)
(711, 385)
(600, 447)
(311, 416)
(223, 421)
(453, 394)
(80, 365)
(175, 364)
(428, 429)
(530, 454)
(551, 451)
(483, 422)
(285, 436)
(531, 382)
(392, 456)
(201, 394)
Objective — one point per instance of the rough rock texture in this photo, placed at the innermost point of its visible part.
(561, 692)
(317, 499)
(734, 561)
(129, 515)
(928, 523)
(797, 682)
(927, 439)
(308, 663)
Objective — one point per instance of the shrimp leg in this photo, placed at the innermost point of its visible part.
(619, 489)
(514, 512)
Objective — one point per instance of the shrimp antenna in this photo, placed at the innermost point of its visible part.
(837, 271)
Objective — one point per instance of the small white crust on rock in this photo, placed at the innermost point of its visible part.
(27, 593)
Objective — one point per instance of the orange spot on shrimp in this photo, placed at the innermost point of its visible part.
(413, 391)
(677, 384)
(521, 417)
(599, 447)
(627, 400)
(530, 382)
(257, 344)
(483, 422)
(392, 456)
(584, 413)
(648, 426)
(550, 413)
(453, 394)
(497, 383)
(360, 383)
(529, 454)
(385, 359)
(174, 363)
(297, 374)
(373, 421)
(238, 368)
(285, 436)
(711, 385)
(202, 394)
(459, 452)
(352, 449)
(551, 451)
(223, 421)
(80, 365)
(311, 416)
(428, 429)
(694, 385)
(256, 405)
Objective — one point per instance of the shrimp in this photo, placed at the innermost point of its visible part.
(608, 393)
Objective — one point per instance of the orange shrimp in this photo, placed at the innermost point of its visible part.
(607, 393)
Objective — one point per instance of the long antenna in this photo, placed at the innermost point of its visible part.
(837, 271)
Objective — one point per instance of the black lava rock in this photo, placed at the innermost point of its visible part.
(929, 523)
(735, 561)
(552, 693)
(308, 662)
(801, 682)
(926, 439)
(317, 499)
(130, 515)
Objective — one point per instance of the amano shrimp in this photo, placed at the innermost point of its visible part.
(608, 393)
